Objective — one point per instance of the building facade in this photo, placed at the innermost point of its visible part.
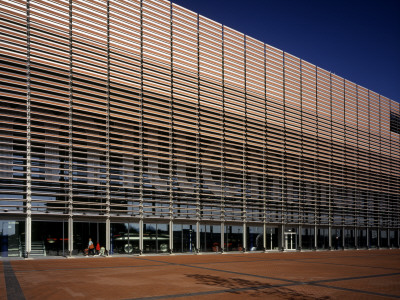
(152, 129)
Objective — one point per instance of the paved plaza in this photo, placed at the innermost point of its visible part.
(362, 274)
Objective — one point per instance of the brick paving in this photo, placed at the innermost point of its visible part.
(358, 274)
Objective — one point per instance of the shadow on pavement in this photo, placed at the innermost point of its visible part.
(253, 288)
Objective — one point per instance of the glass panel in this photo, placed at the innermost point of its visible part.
(124, 238)
(12, 235)
(307, 238)
(349, 238)
(83, 231)
(393, 238)
(233, 238)
(155, 238)
(383, 238)
(373, 238)
(210, 238)
(254, 238)
(362, 238)
(184, 238)
(323, 238)
(272, 238)
(49, 238)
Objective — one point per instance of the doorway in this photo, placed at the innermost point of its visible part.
(290, 241)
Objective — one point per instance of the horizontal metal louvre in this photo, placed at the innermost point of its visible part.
(144, 109)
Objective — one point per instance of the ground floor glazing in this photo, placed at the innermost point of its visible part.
(65, 237)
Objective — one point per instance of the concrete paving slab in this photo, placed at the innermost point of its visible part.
(371, 274)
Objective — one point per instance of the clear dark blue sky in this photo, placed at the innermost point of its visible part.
(356, 39)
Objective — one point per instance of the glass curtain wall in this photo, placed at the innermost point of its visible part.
(210, 238)
(12, 238)
(349, 238)
(124, 238)
(373, 238)
(393, 235)
(323, 238)
(184, 238)
(362, 238)
(272, 238)
(85, 230)
(49, 238)
(155, 238)
(307, 238)
(254, 238)
(383, 238)
(233, 238)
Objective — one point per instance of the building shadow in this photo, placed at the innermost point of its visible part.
(253, 288)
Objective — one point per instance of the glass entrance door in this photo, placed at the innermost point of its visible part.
(290, 241)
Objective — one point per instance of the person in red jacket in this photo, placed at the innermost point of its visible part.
(97, 248)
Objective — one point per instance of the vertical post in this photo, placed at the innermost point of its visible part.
(108, 235)
(198, 161)
(108, 197)
(398, 238)
(244, 170)
(367, 232)
(355, 238)
(222, 181)
(343, 238)
(70, 235)
(171, 236)
(222, 237)
(388, 238)
(264, 237)
(197, 237)
(330, 237)
(244, 237)
(171, 135)
(141, 236)
(70, 143)
(282, 237)
(141, 147)
(315, 237)
(28, 221)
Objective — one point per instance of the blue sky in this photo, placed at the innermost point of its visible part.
(356, 39)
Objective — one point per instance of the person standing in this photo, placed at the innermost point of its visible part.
(91, 247)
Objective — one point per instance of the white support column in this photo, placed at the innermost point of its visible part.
(28, 235)
(108, 235)
(355, 238)
(171, 237)
(388, 238)
(197, 237)
(315, 237)
(141, 236)
(398, 238)
(244, 237)
(70, 235)
(265, 236)
(28, 221)
(222, 237)
(330, 237)
(343, 238)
